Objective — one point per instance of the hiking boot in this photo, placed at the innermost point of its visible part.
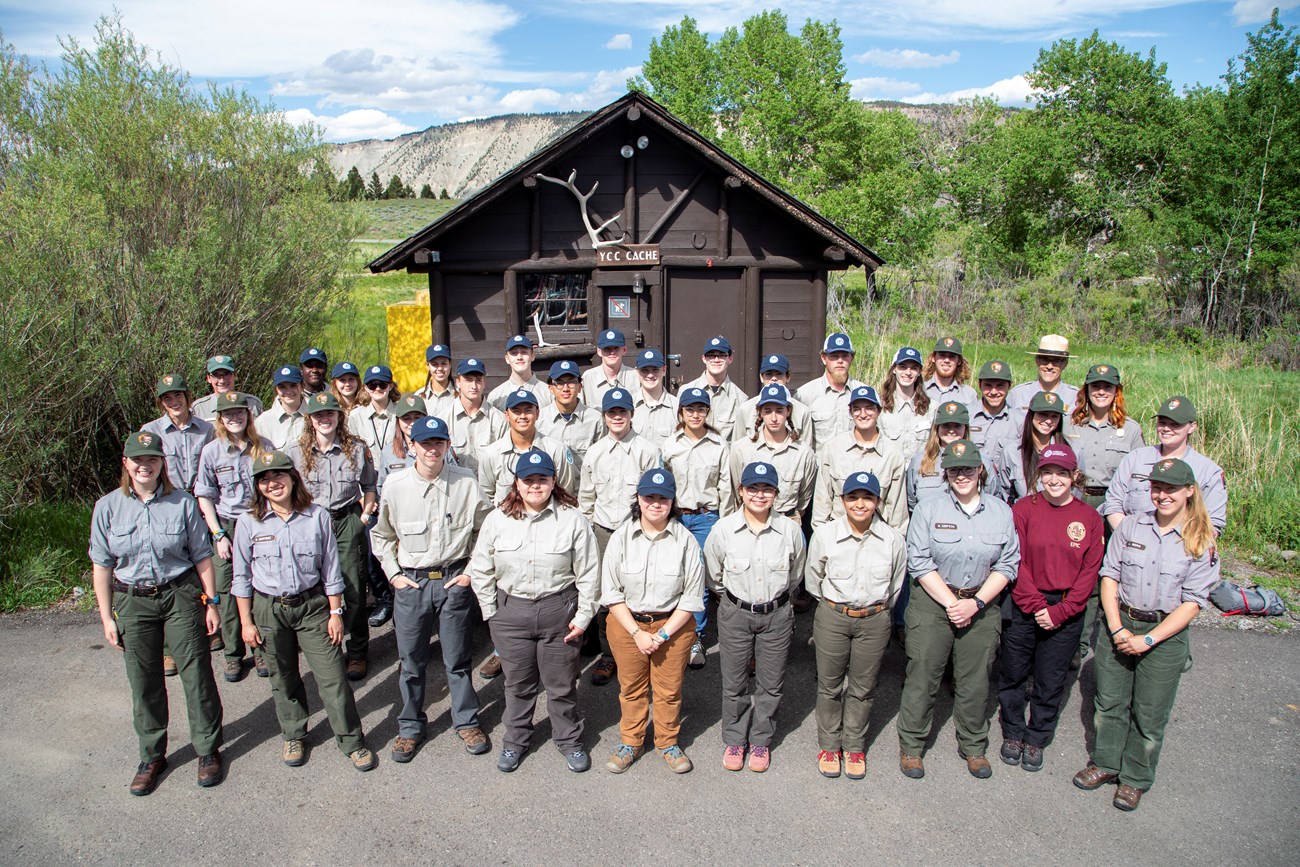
(147, 776)
(490, 668)
(1127, 797)
(828, 763)
(259, 666)
(357, 669)
(978, 766)
(363, 759)
(733, 757)
(1012, 751)
(211, 771)
(677, 760)
(234, 670)
(577, 760)
(911, 766)
(622, 759)
(476, 743)
(169, 666)
(295, 753)
(404, 749)
(1093, 777)
(509, 760)
(855, 765)
(604, 670)
(1033, 759)
(215, 643)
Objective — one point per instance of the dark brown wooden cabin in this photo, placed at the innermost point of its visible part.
(678, 242)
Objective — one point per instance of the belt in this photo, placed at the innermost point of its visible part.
(455, 567)
(142, 589)
(1139, 614)
(760, 607)
(866, 611)
(1096, 490)
(344, 511)
(649, 617)
(294, 599)
(964, 592)
(701, 510)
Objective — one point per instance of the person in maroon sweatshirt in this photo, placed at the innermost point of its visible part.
(1062, 541)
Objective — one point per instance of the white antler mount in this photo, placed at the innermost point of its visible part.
(593, 232)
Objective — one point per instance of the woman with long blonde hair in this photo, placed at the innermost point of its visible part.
(1159, 570)
(947, 371)
(905, 405)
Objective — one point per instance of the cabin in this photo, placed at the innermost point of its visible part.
(631, 220)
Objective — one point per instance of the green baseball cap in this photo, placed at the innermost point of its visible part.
(322, 402)
(170, 382)
(1179, 409)
(1047, 401)
(948, 344)
(962, 453)
(411, 403)
(951, 412)
(221, 362)
(1172, 471)
(143, 444)
(995, 370)
(1102, 373)
(268, 461)
(232, 400)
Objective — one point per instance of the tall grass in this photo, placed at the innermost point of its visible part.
(43, 554)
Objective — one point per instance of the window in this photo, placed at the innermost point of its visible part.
(555, 307)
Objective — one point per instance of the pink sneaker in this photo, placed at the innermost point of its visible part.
(733, 757)
(759, 759)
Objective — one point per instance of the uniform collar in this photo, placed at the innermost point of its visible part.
(958, 506)
(846, 532)
(638, 530)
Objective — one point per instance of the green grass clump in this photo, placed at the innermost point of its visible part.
(395, 219)
(43, 557)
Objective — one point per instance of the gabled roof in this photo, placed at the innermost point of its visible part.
(401, 256)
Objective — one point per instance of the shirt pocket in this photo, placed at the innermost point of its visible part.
(306, 560)
(735, 569)
(946, 543)
(632, 576)
(413, 536)
(124, 542)
(508, 553)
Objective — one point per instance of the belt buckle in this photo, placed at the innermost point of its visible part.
(766, 607)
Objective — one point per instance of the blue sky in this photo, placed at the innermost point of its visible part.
(380, 69)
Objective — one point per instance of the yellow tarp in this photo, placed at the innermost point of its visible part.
(408, 337)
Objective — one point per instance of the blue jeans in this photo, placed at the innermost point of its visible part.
(700, 525)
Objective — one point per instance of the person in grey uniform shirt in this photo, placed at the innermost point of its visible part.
(282, 423)
(290, 595)
(496, 461)
(776, 442)
(427, 520)
(946, 373)
(399, 454)
(568, 419)
(856, 565)
(151, 567)
(1052, 357)
(1101, 433)
(221, 378)
(519, 358)
(1159, 570)
(345, 385)
(923, 477)
(473, 422)
(775, 370)
(313, 364)
(994, 426)
(905, 406)
(753, 559)
(1130, 493)
(536, 574)
(182, 433)
(862, 449)
(373, 422)
(611, 346)
(725, 395)
(962, 552)
(438, 393)
(827, 396)
(1044, 426)
(654, 410)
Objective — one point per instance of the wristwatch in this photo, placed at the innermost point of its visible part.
(337, 612)
(979, 603)
(1150, 642)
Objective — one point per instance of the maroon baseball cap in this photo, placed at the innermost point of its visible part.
(1058, 454)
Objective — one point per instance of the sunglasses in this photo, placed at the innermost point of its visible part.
(377, 385)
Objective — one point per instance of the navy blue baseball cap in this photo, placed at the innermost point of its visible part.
(313, 354)
(470, 365)
(343, 368)
(286, 374)
(779, 363)
(649, 358)
(838, 342)
(564, 368)
(862, 482)
(774, 393)
(612, 337)
(521, 396)
(377, 373)
(534, 463)
(429, 427)
(518, 340)
(437, 350)
(759, 473)
(907, 353)
(716, 344)
(691, 396)
(657, 481)
(616, 398)
(864, 392)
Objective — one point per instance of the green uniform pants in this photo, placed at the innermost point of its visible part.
(1094, 600)
(852, 647)
(350, 534)
(1135, 695)
(931, 640)
(286, 630)
(144, 622)
(231, 633)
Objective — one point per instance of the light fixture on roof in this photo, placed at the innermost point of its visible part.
(626, 151)
(643, 143)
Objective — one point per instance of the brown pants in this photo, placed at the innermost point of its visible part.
(638, 674)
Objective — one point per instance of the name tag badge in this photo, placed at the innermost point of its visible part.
(941, 526)
(263, 538)
(1138, 545)
(224, 469)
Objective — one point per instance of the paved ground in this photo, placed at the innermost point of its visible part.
(1228, 791)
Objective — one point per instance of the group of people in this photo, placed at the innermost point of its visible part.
(983, 529)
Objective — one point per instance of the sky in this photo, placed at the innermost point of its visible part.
(381, 69)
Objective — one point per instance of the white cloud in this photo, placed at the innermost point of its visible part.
(906, 58)
(605, 86)
(1258, 11)
(1009, 91)
(881, 88)
(620, 42)
(363, 123)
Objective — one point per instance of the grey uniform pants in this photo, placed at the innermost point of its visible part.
(529, 636)
(415, 611)
(751, 718)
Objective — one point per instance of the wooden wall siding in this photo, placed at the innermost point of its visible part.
(502, 237)
(789, 299)
(476, 320)
(764, 231)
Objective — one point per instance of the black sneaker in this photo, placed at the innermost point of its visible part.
(1012, 751)
(578, 760)
(509, 760)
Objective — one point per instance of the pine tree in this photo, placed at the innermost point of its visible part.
(353, 187)
(426, 192)
(374, 190)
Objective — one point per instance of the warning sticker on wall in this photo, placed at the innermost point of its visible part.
(620, 308)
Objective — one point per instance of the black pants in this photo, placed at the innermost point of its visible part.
(1027, 647)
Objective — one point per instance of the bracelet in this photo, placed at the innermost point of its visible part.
(1118, 631)
(635, 632)
(663, 633)
(219, 534)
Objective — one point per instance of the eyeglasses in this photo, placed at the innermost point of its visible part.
(1048, 361)
(964, 472)
(377, 385)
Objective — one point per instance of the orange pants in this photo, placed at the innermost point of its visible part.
(661, 672)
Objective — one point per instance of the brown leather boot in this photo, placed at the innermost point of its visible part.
(146, 776)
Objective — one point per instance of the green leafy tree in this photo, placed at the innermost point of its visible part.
(682, 73)
(426, 192)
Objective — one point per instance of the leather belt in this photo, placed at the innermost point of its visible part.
(142, 589)
(759, 607)
(649, 617)
(344, 511)
(867, 611)
(700, 510)
(1140, 614)
(963, 592)
(294, 599)
(455, 567)
(1096, 490)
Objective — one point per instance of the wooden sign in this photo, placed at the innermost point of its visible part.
(629, 255)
